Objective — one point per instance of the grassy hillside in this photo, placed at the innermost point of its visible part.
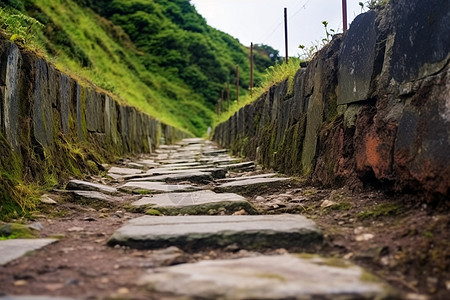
(157, 55)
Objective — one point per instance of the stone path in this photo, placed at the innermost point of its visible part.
(194, 195)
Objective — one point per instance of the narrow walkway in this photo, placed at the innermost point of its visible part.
(195, 197)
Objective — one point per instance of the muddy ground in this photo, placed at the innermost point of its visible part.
(406, 243)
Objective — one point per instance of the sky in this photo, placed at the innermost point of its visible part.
(262, 21)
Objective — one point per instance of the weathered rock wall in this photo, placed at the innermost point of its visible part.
(47, 118)
(372, 107)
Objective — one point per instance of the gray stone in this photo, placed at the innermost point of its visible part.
(110, 120)
(155, 187)
(267, 175)
(244, 166)
(192, 176)
(65, 95)
(215, 173)
(181, 165)
(190, 141)
(134, 165)
(93, 113)
(47, 200)
(214, 152)
(42, 106)
(124, 171)
(356, 60)
(251, 185)
(10, 297)
(89, 186)
(170, 147)
(94, 196)
(195, 232)
(13, 249)
(9, 94)
(80, 97)
(268, 277)
(201, 202)
(422, 45)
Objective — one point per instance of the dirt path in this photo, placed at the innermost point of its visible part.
(404, 243)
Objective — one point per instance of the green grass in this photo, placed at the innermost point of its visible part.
(114, 66)
(272, 76)
(384, 209)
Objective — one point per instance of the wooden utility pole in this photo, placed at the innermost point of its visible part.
(237, 83)
(286, 34)
(251, 69)
(344, 15)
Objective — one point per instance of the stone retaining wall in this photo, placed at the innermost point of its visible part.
(372, 107)
(43, 109)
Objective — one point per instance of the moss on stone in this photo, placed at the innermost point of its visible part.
(153, 212)
(16, 231)
(384, 209)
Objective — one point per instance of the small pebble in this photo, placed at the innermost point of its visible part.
(259, 198)
(75, 229)
(20, 283)
(47, 200)
(364, 237)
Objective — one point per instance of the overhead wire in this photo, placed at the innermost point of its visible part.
(300, 7)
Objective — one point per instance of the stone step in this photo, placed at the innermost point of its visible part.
(193, 203)
(13, 249)
(243, 166)
(89, 186)
(268, 277)
(94, 198)
(192, 141)
(267, 175)
(215, 173)
(248, 186)
(22, 297)
(197, 232)
(124, 171)
(155, 187)
(192, 176)
(181, 165)
(214, 152)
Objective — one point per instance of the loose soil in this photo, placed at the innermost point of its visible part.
(403, 242)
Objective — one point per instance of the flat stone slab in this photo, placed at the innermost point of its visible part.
(124, 171)
(191, 141)
(89, 186)
(180, 165)
(214, 152)
(194, 203)
(250, 185)
(267, 175)
(13, 249)
(243, 166)
(193, 176)
(195, 232)
(156, 187)
(34, 298)
(268, 277)
(215, 172)
(96, 197)
(170, 147)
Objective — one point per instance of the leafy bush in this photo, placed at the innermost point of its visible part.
(17, 25)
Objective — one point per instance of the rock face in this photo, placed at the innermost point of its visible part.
(268, 277)
(372, 105)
